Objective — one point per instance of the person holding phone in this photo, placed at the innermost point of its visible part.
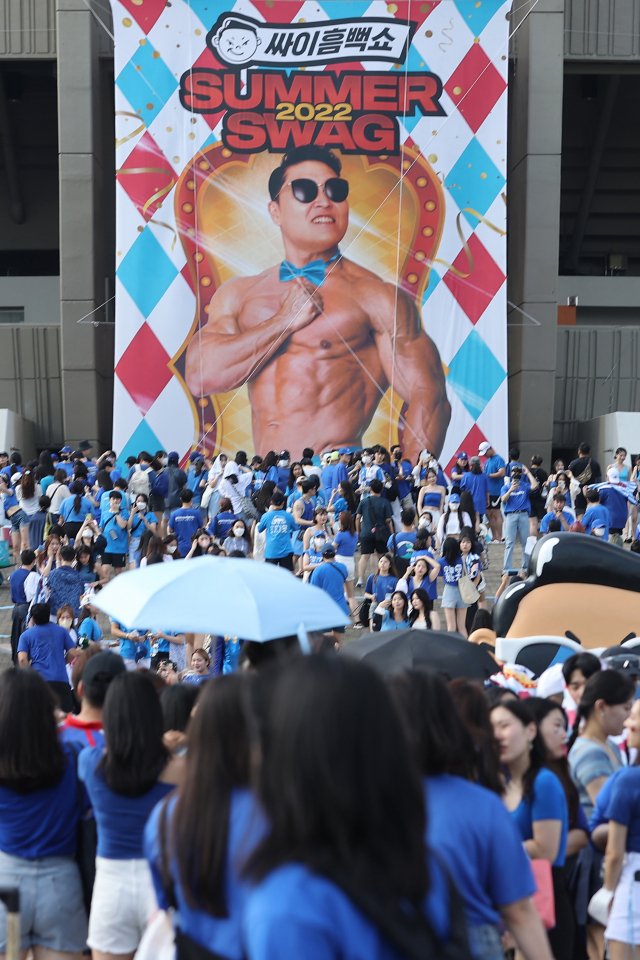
(115, 529)
(517, 507)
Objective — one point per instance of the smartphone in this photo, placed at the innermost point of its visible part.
(512, 573)
(387, 596)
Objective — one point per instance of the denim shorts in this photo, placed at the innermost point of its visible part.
(451, 598)
(18, 520)
(52, 912)
(484, 943)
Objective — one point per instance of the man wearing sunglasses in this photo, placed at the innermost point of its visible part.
(313, 336)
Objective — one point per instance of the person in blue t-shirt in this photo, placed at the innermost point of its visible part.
(477, 483)
(495, 469)
(39, 815)
(616, 503)
(557, 513)
(279, 526)
(19, 598)
(313, 556)
(185, 522)
(383, 582)
(516, 506)
(124, 783)
(402, 471)
(115, 530)
(487, 863)
(596, 516)
(331, 577)
(92, 682)
(135, 646)
(338, 734)
(47, 648)
(223, 521)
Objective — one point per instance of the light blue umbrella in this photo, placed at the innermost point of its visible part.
(220, 595)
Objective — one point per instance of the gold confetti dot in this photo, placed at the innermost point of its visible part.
(412, 277)
(119, 253)
(498, 141)
(198, 256)
(432, 158)
(434, 133)
(419, 255)
(140, 229)
(187, 208)
(268, 3)
(428, 33)
(302, 20)
(139, 112)
(203, 402)
(425, 7)
(138, 67)
(136, 3)
(198, 32)
(225, 152)
(127, 22)
(169, 129)
(155, 55)
(190, 184)
(427, 231)
(143, 42)
(176, 159)
(149, 106)
(397, 66)
(430, 205)
(193, 120)
(457, 91)
(159, 207)
(422, 63)
(421, 182)
(468, 164)
(205, 281)
(483, 176)
(476, 39)
(192, 136)
(406, 164)
(392, 8)
(203, 165)
(478, 4)
(504, 58)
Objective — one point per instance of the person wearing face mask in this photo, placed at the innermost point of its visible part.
(561, 483)
(432, 495)
(596, 518)
(142, 520)
(452, 521)
(368, 472)
(312, 557)
(239, 540)
(200, 543)
(65, 619)
(171, 544)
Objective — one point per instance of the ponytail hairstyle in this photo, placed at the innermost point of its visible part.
(77, 488)
(538, 755)
(607, 685)
(27, 485)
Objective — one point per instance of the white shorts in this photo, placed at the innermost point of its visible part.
(140, 665)
(624, 918)
(122, 903)
(349, 563)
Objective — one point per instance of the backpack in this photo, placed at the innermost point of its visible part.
(160, 486)
(139, 482)
(176, 479)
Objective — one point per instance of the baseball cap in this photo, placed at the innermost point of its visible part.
(484, 446)
(85, 445)
(108, 663)
(454, 498)
(66, 449)
(551, 681)
(173, 456)
(613, 475)
(285, 455)
(329, 550)
(622, 660)
(277, 499)
(194, 455)
(462, 456)
(344, 450)
(335, 455)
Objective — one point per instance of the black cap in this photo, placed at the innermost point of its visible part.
(109, 663)
(85, 445)
(329, 550)
(277, 499)
(285, 455)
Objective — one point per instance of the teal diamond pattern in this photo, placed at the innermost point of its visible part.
(477, 15)
(474, 180)
(142, 438)
(147, 83)
(146, 272)
(475, 374)
(434, 280)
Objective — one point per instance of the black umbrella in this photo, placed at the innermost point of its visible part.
(393, 650)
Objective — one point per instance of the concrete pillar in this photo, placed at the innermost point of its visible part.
(87, 350)
(535, 143)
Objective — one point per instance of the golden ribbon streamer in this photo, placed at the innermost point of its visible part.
(155, 196)
(465, 245)
(159, 223)
(130, 136)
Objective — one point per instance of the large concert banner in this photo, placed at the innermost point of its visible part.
(311, 216)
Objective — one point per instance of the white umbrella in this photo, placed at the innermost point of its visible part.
(228, 596)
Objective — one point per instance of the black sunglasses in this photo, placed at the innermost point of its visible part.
(306, 191)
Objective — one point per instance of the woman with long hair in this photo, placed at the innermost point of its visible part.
(344, 498)
(39, 817)
(346, 543)
(379, 586)
(268, 470)
(343, 871)
(28, 493)
(197, 839)
(537, 803)
(452, 520)
(431, 496)
(473, 709)
(75, 509)
(58, 491)
(156, 545)
(15, 514)
(320, 524)
(452, 566)
(200, 543)
(423, 575)
(239, 539)
(295, 472)
(394, 612)
(420, 616)
(467, 825)
(124, 783)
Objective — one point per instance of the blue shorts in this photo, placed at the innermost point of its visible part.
(52, 912)
(451, 598)
(18, 520)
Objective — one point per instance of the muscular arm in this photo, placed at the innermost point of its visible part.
(223, 356)
(419, 377)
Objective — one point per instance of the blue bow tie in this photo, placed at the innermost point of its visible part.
(315, 271)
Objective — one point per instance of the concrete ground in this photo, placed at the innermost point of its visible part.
(492, 576)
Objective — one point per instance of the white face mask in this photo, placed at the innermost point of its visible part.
(424, 523)
(141, 506)
(283, 463)
(163, 461)
(366, 458)
(238, 531)
(172, 547)
(318, 543)
(454, 506)
(88, 536)
(66, 623)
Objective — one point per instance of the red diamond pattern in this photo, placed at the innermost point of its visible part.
(140, 187)
(207, 59)
(475, 292)
(278, 11)
(143, 368)
(146, 14)
(470, 445)
(475, 86)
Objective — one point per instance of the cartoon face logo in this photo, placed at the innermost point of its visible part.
(236, 41)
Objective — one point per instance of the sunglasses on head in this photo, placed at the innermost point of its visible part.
(306, 191)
